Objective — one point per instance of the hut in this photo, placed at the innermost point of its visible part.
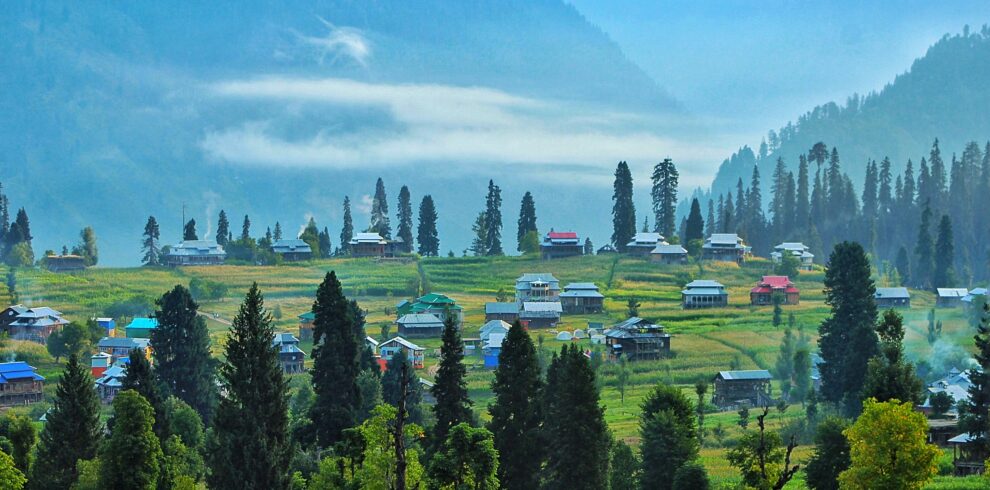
(742, 388)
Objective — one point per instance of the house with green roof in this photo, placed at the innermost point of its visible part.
(432, 303)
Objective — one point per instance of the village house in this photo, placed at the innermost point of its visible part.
(493, 327)
(9, 315)
(369, 245)
(20, 384)
(797, 250)
(669, 254)
(111, 381)
(726, 247)
(401, 346)
(540, 314)
(98, 364)
(35, 324)
(975, 294)
(704, 294)
(506, 312)
(644, 243)
(109, 326)
(967, 459)
(290, 356)
(292, 250)
(306, 325)
(195, 252)
(581, 298)
(892, 298)
(742, 388)
(763, 293)
(65, 263)
(950, 297)
(140, 327)
(420, 325)
(637, 339)
(491, 348)
(561, 244)
(434, 303)
(955, 383)
(537, 287)
(121, 347)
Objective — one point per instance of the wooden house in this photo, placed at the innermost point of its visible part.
(742, 388)
(437, 304)
(581, 298)
(967, 458)
(892, 298)
(35, 324)
(121, 347)
(195, 252)
(109, 383)
(637, 339)
(306, 325)
(762, 293)
(704, 294)
(369, 245)
(419, 325)
(669, 254)
(506, 312)
(726, 247)
(65, 263)
(950, 297)
(293, 250)
(537, 287)
(540, 314)
(644, 243)
(797, 250)
(401, 346)
(561, 244)
(20, 384)
(290, 356)
(9, 315)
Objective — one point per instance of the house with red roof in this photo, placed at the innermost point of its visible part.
(560, 244)
(763, 293)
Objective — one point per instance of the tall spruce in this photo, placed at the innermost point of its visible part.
(138, 376)
(527, 221)
(517, 412)
(577, 454)
(668, 434)
(405, 217)
(695, 229)
(778, 193)
(453, 405)
(189, 230)
(903, 265)
(326, 247)
(336, 363)
(251, 447)
(132, 457)
(399, 383)
(277, 234)
(943, 275)
(149, 245)
(975, 413)
(347, 230)
(710, 224)
(71, 432)
(493, 220)
(426, 232)
(379, 211)
(802, 210)
(181, 344)
(847, 339)
(924, 251)
(623, 209)
(889, 376)
(246, 229)
(223, 229)
(664, 194)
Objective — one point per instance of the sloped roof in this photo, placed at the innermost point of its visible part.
(724, 239)
(367, 238)
(792, 246)
(892, 293)
(669, 250)
(420, 320)
(643, 239)
(16, 371)
(501, 308)
(401, 341)
(550, 306)
(123, 343)
(284, 338)
(291, 245)
(197, 247)
(494, 325)
(704, 283)
(537, 277)
(752, 374)
(144, 323)
(581, 285)
(951, 292)
(495, 341)
(776, 282)
(308, 316)
(582, 293)
(562, 235)
(435, 298)
(704, 292)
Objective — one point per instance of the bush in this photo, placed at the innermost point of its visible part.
(27, 351)
(691, 476)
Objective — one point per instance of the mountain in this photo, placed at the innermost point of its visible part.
(114, 111)
(943, 96)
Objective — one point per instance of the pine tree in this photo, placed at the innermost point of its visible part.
(784, 366)
(695, 224)
(801, 210)
(975, 413)
(903, 265)
(889, 376)
(741, 218)
(181, 344)
(139, 377)
(72, 429)
(87, 248)
(251, 447)
(846, 338)
(710, 219)
(943, 276)
(664, 194)
(479, 245)
(924, 251)
(939, 190)
(729, 217)
(223, 229)
(623, 209)
(527, 222)
(394, 388)
(189, 231)
(246, 229)
(831, 456)
(379, 212)
(405, 217)
(133, 454)
(778, 191)
(152, 254)
(347, 230)
(326, 247)
(336, 363)
(817, 199)
(453, 405)
(669, 436)
(516, 412)
(277, 235)
(426, 233)
(493, 220)
(577, 454)
(790, 205)
(311, 235)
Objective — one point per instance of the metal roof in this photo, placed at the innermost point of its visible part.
(501, 308)
(293, 245)
(365, 238)
(401, 341)
(892, 293)
(284, 338)
(747, 375)
(123, 343)
(537, 277)
(144, 323)
(551, 306)
(704, 292)
(581, 293)
(14, 371)
(581, 285)
(724, 239)
(197, 247)
(704, 283)
(669, 249)
(792, 247)
(420, 320)
(643, 239)
(951, 292)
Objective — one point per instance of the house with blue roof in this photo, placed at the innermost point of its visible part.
(20, 384)
(140, 328)
(111, 382)
(121, 347)
(292, 250)
(581, 298)
(290, 355)
(704, 294)
(195, 252)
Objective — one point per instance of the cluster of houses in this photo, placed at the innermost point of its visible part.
(539, 301)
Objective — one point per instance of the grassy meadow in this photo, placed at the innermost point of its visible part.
(704, 341)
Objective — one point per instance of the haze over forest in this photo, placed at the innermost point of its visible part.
(114, 112)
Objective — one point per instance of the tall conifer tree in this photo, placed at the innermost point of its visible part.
(924, 250)
(664, 195)
(801, 209)
(223, 229)
(426, 233)
(336, 363)
(379, 212)
(943, 276)
(152, 254)
(623, 209)
(139, 377)
(132, 457)
(695, 228)
(527, 220)
(347, 230)
(189, 231)
(405, 217)
(181, 344)
(453, 405)
(493, 220)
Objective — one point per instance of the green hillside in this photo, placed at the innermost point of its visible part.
(704, 341)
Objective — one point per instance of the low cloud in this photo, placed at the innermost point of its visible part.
(441, 123)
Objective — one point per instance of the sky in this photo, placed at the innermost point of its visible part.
(746, 67)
